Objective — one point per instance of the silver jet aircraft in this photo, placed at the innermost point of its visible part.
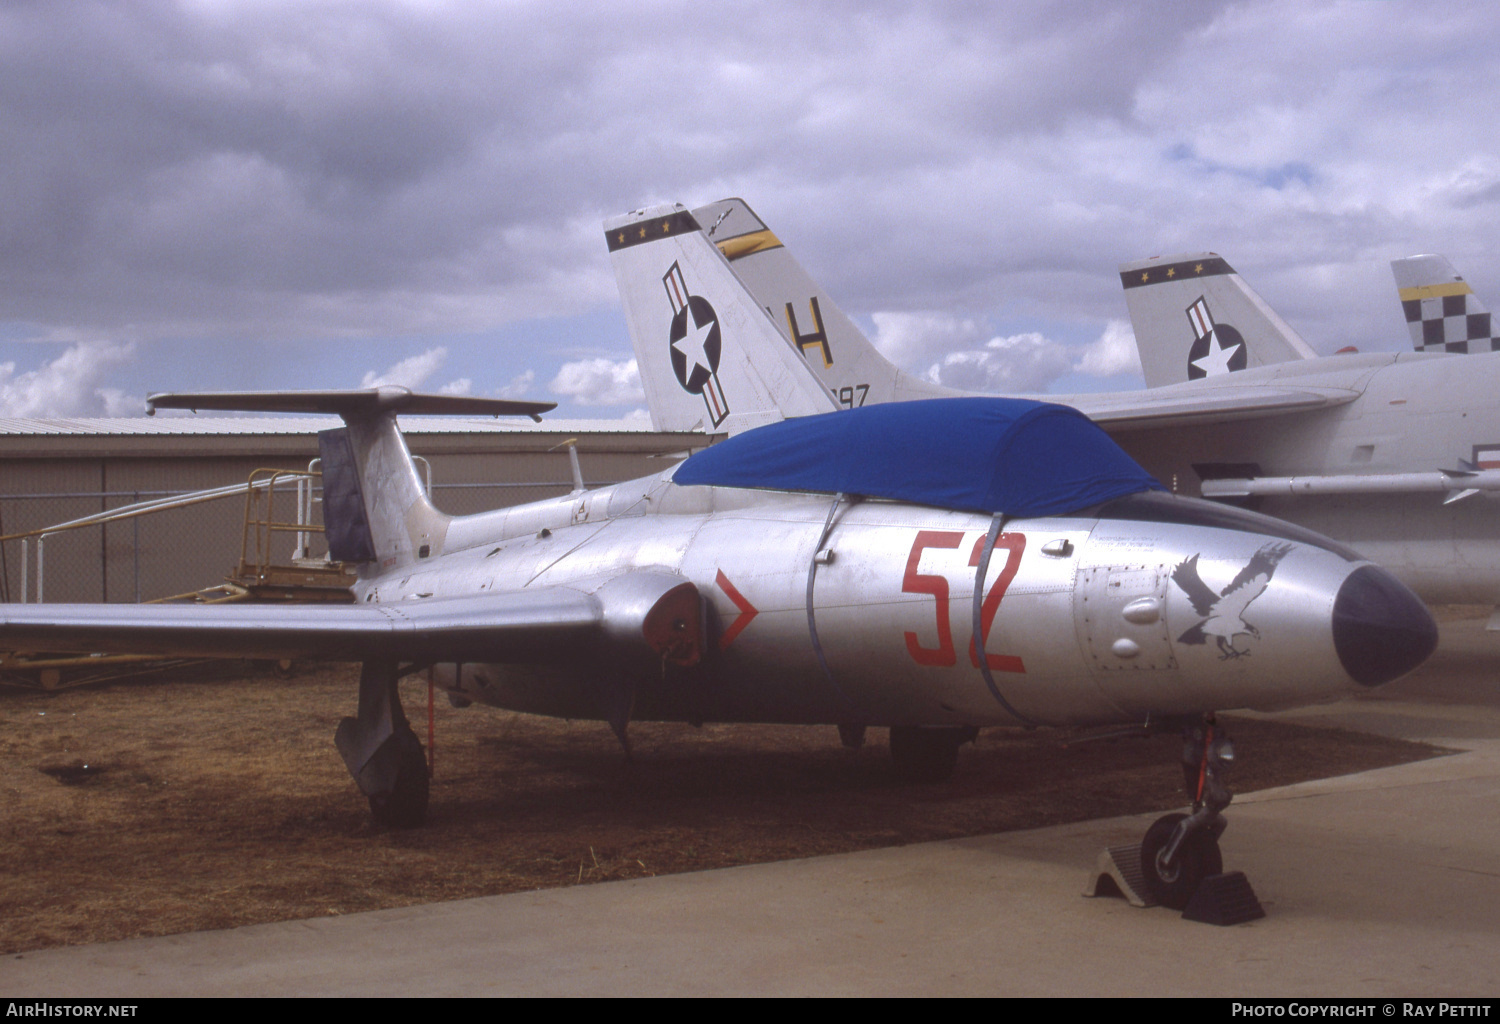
(1386, 452)
(932, 567)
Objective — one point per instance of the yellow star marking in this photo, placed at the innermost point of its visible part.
(622, 238)
(643, 231)
(1198, 269)
(666, 227)
(1145, 276)
(1171, 271)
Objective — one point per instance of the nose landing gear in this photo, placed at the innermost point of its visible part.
(1181, 850)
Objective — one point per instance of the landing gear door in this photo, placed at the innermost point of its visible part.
(1121, 616)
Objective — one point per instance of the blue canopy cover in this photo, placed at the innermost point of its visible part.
(1010, 455)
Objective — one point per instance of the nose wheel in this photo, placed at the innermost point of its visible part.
(1181, 850)
(1173, 880)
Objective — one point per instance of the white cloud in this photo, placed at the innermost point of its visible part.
(947, 351)
(1016, 364)
(116, 402)
(414, 371)
(908, 339)
(411, 372)
(302, 171)
(1113, 353)
(599, 382)
(519, 386)
(70, 385)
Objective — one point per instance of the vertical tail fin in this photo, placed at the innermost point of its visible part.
(708, 354)
(850, 368)
(1194, 317)
(1442, 312)
(375, 509)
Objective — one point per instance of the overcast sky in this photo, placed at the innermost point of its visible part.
(259, 194)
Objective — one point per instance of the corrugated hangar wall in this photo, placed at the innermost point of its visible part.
(52, 472)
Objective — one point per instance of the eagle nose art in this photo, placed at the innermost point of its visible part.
(1381, 630)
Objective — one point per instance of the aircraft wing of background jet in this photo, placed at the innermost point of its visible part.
(1441, 310)
(1186, 406)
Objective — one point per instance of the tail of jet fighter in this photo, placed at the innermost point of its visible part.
(851, 369)
(1442, 312)
(709, 355)
(1195, 317)
(375, 511)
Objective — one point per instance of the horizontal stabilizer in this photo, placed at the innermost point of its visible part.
(359, 402)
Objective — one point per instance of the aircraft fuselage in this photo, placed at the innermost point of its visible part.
(1087, 618)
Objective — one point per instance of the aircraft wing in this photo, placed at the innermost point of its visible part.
(1185, 406)
(646, 609)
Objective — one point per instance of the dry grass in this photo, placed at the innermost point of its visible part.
(216, 801)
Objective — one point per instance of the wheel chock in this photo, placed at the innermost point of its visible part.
(1224, 900)
(1118, 873)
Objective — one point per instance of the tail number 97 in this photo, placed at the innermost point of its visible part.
(914, 582)
(852, 396)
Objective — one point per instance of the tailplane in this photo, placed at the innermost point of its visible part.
(1194, 317)
(1442, 312)
(709, 355)
(375, 510)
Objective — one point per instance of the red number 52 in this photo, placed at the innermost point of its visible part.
(914, 582)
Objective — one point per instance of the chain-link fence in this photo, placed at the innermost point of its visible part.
(175, 550)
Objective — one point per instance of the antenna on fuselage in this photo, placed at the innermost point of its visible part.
(572, 445)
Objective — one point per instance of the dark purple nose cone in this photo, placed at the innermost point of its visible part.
(1381, 630)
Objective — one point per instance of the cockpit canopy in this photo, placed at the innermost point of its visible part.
(1008, 455)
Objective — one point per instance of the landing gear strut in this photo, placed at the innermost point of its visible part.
(382, 752)
(1180, 850)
